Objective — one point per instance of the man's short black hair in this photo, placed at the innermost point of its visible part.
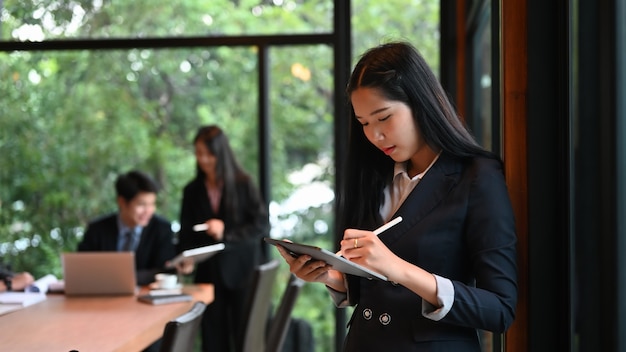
(130, 184)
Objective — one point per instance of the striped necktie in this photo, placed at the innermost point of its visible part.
(128, 241)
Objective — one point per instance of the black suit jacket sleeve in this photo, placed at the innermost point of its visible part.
(155, 248)
(5, 272)
(101, 235)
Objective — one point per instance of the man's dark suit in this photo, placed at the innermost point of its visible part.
(155, 247)
(457, 223)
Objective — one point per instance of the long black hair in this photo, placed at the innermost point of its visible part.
(227, 168)
(398, 72)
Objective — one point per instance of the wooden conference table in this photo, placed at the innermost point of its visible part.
(85, 324)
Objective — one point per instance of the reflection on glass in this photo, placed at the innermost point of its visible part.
(482, 114)
(481, 118)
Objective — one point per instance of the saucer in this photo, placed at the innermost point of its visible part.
(155, 286)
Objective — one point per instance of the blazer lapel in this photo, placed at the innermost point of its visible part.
(203, 202)
(428, 193)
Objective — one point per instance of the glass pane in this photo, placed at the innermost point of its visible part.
(302, 165)
(416, 21)
(482, 115)
(30, 20)
(73, 120)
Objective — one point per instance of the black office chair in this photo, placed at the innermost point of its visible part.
(180, 333)
(256, 309)
(280, 322)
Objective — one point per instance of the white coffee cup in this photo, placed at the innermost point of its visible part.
(166, 281)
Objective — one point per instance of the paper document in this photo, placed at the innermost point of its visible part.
(8, 308)
(23, 299)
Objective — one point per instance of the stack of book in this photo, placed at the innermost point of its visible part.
(157, 297)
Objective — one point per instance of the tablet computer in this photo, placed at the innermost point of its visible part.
(337, 262)
(198, 254)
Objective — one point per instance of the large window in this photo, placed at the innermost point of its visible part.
(95, 88)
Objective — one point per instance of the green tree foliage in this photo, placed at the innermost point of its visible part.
(71, 121)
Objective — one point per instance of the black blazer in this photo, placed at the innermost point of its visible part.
(243, 238)
(155, 247)
(457, 223)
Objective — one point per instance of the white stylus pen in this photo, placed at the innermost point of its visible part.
(200, 227)
(387, 226)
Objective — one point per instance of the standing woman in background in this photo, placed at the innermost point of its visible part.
(451, 262)
(223, 197)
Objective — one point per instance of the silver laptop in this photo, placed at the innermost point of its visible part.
(99, 273)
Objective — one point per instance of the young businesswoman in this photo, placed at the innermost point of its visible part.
(223, 197)
(451, 262)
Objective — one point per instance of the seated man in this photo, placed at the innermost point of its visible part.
(10, 281)
(134, 227)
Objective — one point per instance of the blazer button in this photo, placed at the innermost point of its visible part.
(384, 319)
(367, 314)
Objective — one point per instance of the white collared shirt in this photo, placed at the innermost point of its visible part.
(400, 188)
(123, 230)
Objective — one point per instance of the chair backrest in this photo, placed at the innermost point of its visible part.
(282, 317)
(180, 333)
(257, 307)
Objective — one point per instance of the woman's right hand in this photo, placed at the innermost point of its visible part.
(215, 229)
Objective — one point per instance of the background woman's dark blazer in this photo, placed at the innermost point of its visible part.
(243, 237)
(155, 247)
(457, 223)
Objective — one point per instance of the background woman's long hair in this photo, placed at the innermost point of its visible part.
(227, 169)
(400, 73)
